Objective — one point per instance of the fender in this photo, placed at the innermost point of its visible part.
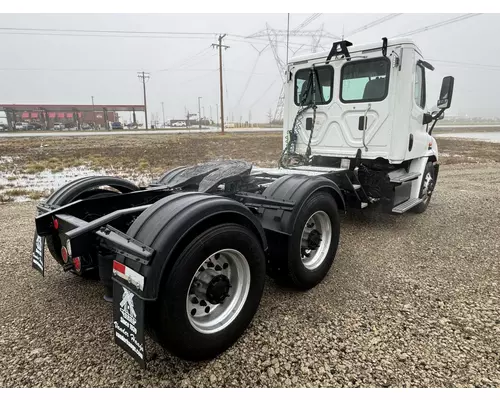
(297, 188)
(67, 193)
(432, 150)
(172, 222)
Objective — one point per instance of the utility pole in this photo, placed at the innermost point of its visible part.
(217, 110)
(199, 113)
(143, 76)
(220, 46)
(163, 112)
(93, 112)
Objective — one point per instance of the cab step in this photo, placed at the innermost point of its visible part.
(407, 205)
(405, 177)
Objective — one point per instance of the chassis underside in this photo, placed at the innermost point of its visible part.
(107, 218)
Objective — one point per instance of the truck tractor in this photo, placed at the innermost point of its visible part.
(184, 259)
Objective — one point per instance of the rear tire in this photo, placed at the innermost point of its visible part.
(171, 318)
(305, 260)
(84, 188)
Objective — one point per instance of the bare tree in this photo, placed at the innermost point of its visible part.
(270, 116)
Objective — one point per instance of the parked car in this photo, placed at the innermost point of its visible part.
(21, 126)
(117, 125)
(86, 126)
(3, 127)
(58, 126)
(132, 126)
(179, 124)
(35, 126)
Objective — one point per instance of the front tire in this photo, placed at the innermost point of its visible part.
(427, 188)
(193, 318)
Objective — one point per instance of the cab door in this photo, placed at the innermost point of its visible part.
(418, 141)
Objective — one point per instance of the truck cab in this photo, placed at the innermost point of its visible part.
(367, 101)
(364, 106)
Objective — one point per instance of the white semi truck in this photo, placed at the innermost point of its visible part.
(184, 259)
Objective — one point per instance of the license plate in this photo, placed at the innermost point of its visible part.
(38, 259)
(128, 321)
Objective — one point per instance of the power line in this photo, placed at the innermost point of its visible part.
(126, 34)
(306, 22)
(106, 31)
(252, 73)
(67, 69)
(463, 63)
(264, 93)
(107, 36)
(188, 59)
(438, 25)
(468, 65)
(197, 77)
(372, 24)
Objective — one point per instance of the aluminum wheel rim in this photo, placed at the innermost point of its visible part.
(428, 187)
(217, 317)
(320, 222)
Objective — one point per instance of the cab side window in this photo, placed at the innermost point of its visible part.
(419, 91)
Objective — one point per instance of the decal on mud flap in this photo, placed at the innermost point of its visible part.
(37, 260)
(128, 320)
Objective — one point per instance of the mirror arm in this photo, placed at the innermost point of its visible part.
(435, 120)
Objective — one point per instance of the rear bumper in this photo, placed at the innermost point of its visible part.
(82, 234)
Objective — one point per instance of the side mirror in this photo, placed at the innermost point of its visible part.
(446, 94)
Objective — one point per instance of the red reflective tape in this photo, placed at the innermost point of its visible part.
(119, 267)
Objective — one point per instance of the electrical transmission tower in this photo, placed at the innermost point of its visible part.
(275, 36)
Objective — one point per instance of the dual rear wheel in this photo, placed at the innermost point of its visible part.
(213, 289)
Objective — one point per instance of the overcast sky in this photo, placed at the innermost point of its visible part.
(55, 68)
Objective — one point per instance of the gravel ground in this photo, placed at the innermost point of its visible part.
(411, 300)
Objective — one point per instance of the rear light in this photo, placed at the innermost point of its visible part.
(56, 224)
(64, 254)
(77, 263)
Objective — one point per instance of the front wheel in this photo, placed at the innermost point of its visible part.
(211, 294)
(427, 188)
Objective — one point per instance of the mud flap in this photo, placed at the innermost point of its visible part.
(38, 258)
(128, 321)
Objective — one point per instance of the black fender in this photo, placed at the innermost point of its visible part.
(171, 223)
(69, 192)
(296, 188)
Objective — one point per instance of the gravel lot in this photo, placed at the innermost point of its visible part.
(411, 300)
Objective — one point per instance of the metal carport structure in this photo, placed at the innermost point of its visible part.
(45, 112)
